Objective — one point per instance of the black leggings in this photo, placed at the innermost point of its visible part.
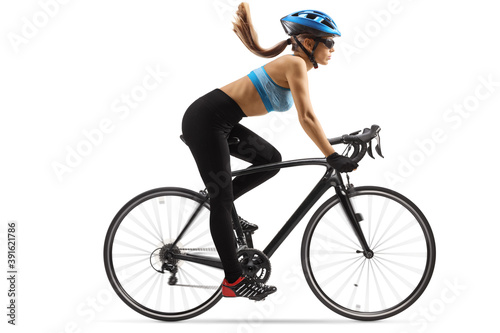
(206, 126)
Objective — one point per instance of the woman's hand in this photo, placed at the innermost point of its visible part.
(341, 163)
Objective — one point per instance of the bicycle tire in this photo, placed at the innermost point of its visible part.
(354, 298)
(127, 277)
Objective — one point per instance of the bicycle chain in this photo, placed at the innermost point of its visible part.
(198, 249)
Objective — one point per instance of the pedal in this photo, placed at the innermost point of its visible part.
(359, 217)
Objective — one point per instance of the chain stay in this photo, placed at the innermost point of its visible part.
(196, 286)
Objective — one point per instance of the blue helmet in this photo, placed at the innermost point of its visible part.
(311, 22)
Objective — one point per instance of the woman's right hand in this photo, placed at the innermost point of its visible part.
(341, 163)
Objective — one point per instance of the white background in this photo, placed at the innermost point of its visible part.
(406, 71)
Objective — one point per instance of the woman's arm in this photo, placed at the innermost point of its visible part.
(296, 75)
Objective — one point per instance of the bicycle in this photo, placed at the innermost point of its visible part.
(368, 252)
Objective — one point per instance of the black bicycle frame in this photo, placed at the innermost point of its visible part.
(329, 179)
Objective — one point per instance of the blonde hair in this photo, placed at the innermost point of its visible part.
(243, 28)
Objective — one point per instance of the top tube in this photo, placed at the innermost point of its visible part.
(281, 165)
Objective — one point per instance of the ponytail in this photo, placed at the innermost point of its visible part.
(243, 28)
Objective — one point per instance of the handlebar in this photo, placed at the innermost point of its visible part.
(361, 143)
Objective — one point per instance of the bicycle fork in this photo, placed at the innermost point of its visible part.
(353, 217)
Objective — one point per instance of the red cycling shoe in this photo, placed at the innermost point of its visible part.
(245, 286)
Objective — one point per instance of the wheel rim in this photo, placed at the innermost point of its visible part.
(384, 285)
(136, 250)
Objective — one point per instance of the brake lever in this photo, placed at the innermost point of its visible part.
(377, 147)
(370, 152)
(354, 133)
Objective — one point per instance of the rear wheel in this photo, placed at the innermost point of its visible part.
(138, 261)
(369, 288)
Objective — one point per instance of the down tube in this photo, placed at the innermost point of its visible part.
(321, 187)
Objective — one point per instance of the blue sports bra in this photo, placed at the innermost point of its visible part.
(275, 98)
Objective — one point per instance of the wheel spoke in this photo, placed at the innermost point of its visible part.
(160, 292)
(141, 286)
(367, 289)
(126, 255)
(386, 279)
(334, 276)
(204, 272)
(150, 291)
(169, 214)
(370, 206)
(134, 234)
(403, 254)
(354, 290)
(330, 252)
(173, 298)
(407, 267)
(122, 267)
(181, 221)
(413, 240)
(331, 225)
(200, 219)
(190, 278)
(136, 275)
(393, 221)
(150, 221)
(155, 203)
(335, 263)
(139, 223)
(184, 297)
(397, 233)
(201, 234)
(381, 215)
(334, 241)
(131, 246)
(377, 284)
(349, 278)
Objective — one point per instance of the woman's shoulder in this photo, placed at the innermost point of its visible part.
(285, 67)
(287, 63)
(290, 59)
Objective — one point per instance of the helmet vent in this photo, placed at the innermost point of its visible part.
(311, 16)
(326, 22)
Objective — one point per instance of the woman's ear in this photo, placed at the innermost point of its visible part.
(308, 44)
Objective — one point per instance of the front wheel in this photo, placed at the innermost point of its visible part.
(374, 288)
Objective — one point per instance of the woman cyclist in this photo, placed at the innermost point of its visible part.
(276, 86)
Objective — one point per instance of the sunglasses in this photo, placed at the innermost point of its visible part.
(329, 42)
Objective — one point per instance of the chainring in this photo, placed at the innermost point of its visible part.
(255, 264)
